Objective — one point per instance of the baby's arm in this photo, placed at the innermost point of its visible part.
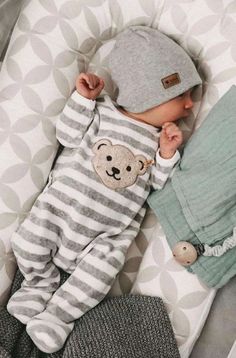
(167, 156)
(79, 110)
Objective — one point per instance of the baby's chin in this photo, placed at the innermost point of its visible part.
(183, 116)
(186, 113)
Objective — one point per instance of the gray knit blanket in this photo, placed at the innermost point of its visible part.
(129, 326)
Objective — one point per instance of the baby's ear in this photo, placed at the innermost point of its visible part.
(141, 161)
(102, 142)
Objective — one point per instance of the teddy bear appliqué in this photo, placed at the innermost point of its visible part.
(116, 165)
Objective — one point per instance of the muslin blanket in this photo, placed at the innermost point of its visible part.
(198, 204)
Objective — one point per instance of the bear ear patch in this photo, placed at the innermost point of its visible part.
(98, 145)
(141, 160)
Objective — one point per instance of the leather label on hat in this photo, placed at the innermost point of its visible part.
(171, 80)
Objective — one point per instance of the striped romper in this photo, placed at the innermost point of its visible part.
(86, 217)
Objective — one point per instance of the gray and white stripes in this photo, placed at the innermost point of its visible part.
(79, 224)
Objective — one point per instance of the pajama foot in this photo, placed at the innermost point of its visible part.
(48, 332)
(27, 303)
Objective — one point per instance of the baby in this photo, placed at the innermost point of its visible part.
(94, 203)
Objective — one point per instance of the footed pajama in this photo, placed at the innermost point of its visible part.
(86, 218)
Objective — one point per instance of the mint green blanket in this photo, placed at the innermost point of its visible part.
(199, 203)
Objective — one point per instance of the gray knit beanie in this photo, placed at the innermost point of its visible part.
(149, 69)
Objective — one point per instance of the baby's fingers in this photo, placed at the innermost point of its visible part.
(174, 134)
(89, 85)
(93, 80)
(172, 131)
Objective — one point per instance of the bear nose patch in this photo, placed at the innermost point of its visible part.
(115, 170)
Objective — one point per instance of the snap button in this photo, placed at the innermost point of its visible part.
(184, 253)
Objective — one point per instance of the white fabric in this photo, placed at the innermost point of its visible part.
(219, 250)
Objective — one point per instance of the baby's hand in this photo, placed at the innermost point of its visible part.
(170, 139)
(89, 85)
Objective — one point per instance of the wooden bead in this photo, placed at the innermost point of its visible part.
(184, 253)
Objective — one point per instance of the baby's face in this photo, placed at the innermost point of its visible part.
(178, 107)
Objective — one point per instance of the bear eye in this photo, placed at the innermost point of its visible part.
(109, 158)
(128, 168)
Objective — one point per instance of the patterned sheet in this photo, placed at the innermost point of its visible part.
(51, 42)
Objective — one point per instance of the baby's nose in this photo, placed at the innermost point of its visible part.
(189, 102)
